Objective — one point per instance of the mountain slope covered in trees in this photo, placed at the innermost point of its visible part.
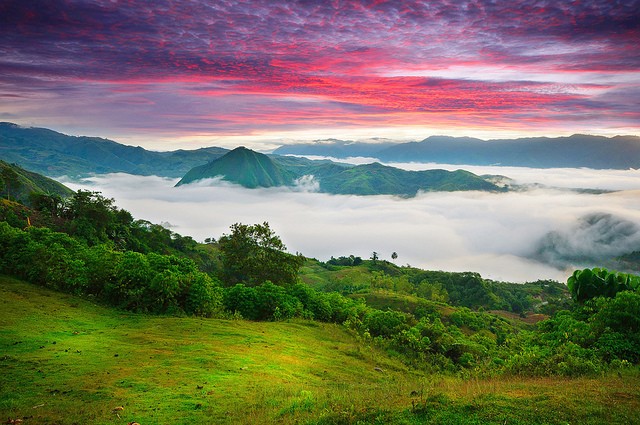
(18, 184)
(252, 169)
(55, 154)
(245, 167)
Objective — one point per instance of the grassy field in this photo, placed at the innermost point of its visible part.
(64, 360)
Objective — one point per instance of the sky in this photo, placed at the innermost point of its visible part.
(542, 233)
(169, 74)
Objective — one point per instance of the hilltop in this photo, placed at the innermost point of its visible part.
(243, 166)
(252, 169)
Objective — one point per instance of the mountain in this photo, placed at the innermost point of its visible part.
(378, 179)
(17, 184)
(55, 154)
(251, 169)
(578, 150)
(243, 166)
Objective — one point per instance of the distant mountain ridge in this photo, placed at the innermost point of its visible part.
(55, 154)
(252, 169)
(578, 150)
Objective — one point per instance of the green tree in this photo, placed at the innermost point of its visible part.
(53, 204)
(253, 254)
(133, 275)
(242, 299)
(10, 181)
(91, 215)
(204, 297)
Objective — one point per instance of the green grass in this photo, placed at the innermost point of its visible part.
(65, 360)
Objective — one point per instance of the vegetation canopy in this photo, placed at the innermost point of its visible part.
(253, 254)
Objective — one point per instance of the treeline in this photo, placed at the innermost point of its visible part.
(463, 289)
(154, 283)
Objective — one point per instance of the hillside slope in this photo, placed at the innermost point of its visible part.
(63, 352)
(65, 360)
(251, 169)
(17, 184)
(55, 154)
(378, 179)
(243, 166)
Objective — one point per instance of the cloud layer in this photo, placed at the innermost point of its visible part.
(498, 235)
(231, 68)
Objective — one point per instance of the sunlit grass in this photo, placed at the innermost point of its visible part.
(64, 360)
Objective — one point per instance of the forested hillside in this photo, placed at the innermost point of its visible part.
(55, 154)
(252, 169)
(24, 186)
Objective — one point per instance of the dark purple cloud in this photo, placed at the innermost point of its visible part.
(360, 61)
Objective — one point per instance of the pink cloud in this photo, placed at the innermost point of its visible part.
(202, 56)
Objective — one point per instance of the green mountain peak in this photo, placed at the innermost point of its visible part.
(243, 166)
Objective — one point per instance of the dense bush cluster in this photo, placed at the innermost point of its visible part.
(152, 282)
(604, 331)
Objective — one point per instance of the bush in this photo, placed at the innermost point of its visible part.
(204, 296)
(385, 323)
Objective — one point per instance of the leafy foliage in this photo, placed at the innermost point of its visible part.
(253, 254)
(591, 283)
(129, 280)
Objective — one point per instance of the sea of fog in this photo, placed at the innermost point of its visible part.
(495, 234)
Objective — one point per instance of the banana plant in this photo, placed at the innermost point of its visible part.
(599, 282)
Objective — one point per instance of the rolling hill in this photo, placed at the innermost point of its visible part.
(55, 154)
(67, 360)
(252, 169)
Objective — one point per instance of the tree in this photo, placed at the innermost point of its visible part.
(374, 256)
(394, 255)
(10, 180)
(51, 203)
(253, 254)
(92, 214)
